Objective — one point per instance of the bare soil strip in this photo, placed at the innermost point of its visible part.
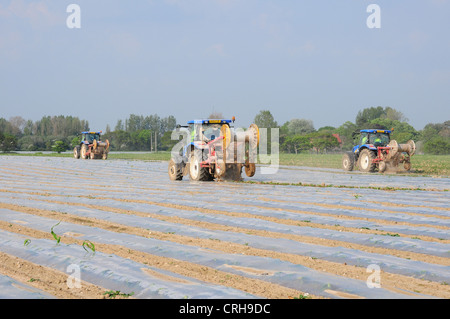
(47, 279)
(392, 282)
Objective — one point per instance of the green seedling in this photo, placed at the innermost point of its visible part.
(392, 235)
(115, 293)
(301, 296)
(57, 238)
(89, 245)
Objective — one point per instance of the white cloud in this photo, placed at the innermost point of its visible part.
(307, 48)
(126, 44)
(35, 13)
(418, 39)
(217, 48)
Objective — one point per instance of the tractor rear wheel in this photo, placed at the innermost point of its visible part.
(348, 161)
(196, 171)
(76, 152)
(175, 171)
(366, 163)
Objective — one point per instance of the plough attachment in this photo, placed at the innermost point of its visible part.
(239, 150)
(394, 154)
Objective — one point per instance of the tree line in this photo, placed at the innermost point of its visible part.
(61, 133)
(142, 133)
(153, 133)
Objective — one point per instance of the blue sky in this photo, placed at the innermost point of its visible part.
(311, 59)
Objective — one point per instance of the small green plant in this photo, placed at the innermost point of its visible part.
(114, 293)
(57, 238)
(305, 296)
(392, 235)
(89, 245)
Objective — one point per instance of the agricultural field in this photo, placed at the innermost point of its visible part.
(432, 165)
(306, 231)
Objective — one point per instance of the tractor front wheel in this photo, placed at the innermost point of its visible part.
(366, 163)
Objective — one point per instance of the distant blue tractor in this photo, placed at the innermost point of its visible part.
(91, 146)
(211, 149)
(376, 150)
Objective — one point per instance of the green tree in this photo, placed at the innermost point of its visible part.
(8, 142)
(323, 141)
(297, 143)
(437, 146)
(300, 126)
(366, 115)
(59, 146)
(403, 132)
(345, 132)
(436, 138)
(265, 119)
(75, 141)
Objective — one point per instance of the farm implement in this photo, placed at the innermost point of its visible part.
(91, 146)
(212, 149)
(376, 151)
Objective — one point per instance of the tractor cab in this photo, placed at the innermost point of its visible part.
(204, 131)
(89, 137)
(373, 139)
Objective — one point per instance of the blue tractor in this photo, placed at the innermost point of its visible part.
(211, 149)
(376, 151)
(91, 146)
